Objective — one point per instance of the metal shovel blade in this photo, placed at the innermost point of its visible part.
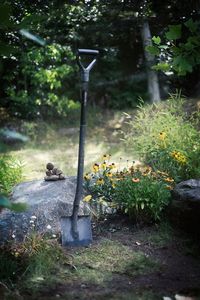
(84, 231)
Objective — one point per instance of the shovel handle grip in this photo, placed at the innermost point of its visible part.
(88, 52)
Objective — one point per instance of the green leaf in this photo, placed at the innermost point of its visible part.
(18, 207)
(192, 25)
(174, 32)
(163, 66)
(156, 40)
(182, 65)
(4, 202)
(152, 49)
(142, 205)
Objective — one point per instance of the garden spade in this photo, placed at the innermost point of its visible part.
(76, 230)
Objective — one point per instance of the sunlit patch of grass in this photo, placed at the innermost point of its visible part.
(98, 263)
(57, 141)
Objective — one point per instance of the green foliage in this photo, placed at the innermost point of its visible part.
(100, 182)
(174, 32)
(143, 196)
(141, 193)
(42, 256)
(5, 203)
(43, 77)
(165, 138)
(32, 261)
(10, 173)
(179, 50)
(10, 266)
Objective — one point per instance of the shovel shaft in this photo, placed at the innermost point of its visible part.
(79, 187)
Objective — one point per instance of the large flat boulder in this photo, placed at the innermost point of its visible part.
(47, 202)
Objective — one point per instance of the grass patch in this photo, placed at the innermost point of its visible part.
(57, 141)
(98, 263)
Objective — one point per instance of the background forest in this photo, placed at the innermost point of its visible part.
(40, 81)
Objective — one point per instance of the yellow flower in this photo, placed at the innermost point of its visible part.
(95, 168)
(87, 176)
(168, 179)
(135, 179)
(87, 198)
(104, 165)
(162, 135)
(106, 156)
(147, 171)
(109, 174)
(181, 158)
(112, 166)
(100, 181)
(162, 173)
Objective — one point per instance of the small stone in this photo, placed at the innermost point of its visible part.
(58, 172)
(50, 166)
(61, 177)
(54, 171)
(48, 173)
(51, 178)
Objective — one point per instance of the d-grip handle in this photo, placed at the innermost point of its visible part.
(85, 70)
(88, 52)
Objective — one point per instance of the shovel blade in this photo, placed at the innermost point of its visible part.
(84, 230)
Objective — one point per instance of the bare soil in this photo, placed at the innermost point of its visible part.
(178, 269)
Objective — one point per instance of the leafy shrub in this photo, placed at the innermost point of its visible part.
(143, 195)
(166, 139)
(10, 173)
(138, 191)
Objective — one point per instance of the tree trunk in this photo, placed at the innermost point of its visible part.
(152, 76)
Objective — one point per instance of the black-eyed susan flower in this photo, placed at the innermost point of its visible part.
(106, 156)
(179, 157)
(104, 165)
(95, 168)
(162, 135)
(87, 176)
(109, 174)
(112, 166)
(100, 181)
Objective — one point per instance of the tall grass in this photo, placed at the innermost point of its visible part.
(10, 173)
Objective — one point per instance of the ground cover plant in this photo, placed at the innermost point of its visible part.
(166, 138)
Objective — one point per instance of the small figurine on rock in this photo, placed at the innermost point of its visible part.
(53, 173)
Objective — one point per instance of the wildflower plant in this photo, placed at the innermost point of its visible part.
(165, 137)
(101, 181)
(137, 191)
